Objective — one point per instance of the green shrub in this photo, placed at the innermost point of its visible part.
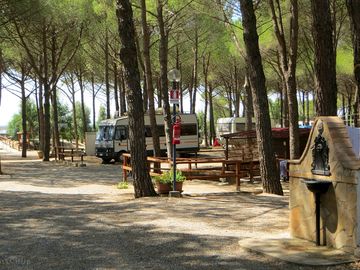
(167, 177)
(123, 185)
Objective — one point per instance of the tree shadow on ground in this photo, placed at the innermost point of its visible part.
(76, 232)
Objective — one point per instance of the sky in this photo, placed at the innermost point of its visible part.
(9, 106)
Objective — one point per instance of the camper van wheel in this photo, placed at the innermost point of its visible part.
(106, 160)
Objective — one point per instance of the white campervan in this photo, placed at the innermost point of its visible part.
(231, 125)
(112, 137)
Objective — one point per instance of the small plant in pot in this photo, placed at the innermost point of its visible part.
(164, 182)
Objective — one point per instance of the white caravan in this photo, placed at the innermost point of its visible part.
(231, 125)
(112, 137)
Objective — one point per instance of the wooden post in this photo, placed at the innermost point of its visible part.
(124, 170)
(238, 165)
(226, 148)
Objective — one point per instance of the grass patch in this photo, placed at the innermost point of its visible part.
(122, 185)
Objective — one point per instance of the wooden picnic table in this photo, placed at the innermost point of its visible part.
(226, 168)
(65, 151)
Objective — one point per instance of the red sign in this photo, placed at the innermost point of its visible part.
(174, 96)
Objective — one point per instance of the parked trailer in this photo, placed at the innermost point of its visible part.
(112, 139)
(228, 125)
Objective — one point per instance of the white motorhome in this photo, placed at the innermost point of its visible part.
(112, 137)
(231, 125)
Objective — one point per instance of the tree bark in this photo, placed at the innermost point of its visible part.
(288, 57)
(269, 171)
(73, 105)
(325, 72)
(93, 96)
(23, 115)
(107, 71)
(163, 59)
(206, 63)
(122, 93)
(195, 70)
(45, 79)
(116, 91)
(142, 181)
(211, 115)
(149, 81)
(249, 108)
(53, 82)
(353, 7)
(80, 76)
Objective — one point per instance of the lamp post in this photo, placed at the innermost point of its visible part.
(174, 77)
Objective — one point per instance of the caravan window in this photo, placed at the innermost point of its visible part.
(224, 127)
(121, 133)
(188, 129)
(240, 127)
(160, 131)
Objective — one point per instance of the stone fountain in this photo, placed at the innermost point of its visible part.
(325, 190)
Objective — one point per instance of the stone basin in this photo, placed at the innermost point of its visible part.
(317, 186)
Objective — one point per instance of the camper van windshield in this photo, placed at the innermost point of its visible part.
(105, 133)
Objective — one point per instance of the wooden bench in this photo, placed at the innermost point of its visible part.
(63, 152)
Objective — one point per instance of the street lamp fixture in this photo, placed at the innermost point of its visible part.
(174, 75)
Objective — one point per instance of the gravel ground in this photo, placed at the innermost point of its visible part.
(63, 217)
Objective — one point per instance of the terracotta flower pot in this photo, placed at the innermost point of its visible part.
(166, 188)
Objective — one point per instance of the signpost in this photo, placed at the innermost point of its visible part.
(174, 77)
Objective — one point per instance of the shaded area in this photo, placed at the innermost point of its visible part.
(107, 230)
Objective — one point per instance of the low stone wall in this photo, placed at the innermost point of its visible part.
(340, 204)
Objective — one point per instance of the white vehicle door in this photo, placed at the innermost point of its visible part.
(121, 139)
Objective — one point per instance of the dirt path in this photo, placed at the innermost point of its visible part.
(64, 217)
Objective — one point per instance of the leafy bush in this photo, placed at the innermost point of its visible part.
(123, 185)
(167, 177)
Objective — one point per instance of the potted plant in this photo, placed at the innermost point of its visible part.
(164, 182)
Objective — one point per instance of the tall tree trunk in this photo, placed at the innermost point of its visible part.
(47, 129)
(269, 171)
(122, 93)
(45, 80)
(206, 63)
(56, 132)
(23, 115)
(41, 111)
(325, 79)
(163, 58)
(107, 70)
(116, 90)
(82, 97)
(229, 100)
(142, 181)
(149, 81)
(195, 70)
(285, 119)
(54, 90)
(249, 108)
(353, 7)
(93, 99)
(211, 115)
(281, 105)
(73, 104)
(307, 108)
(236, 93)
